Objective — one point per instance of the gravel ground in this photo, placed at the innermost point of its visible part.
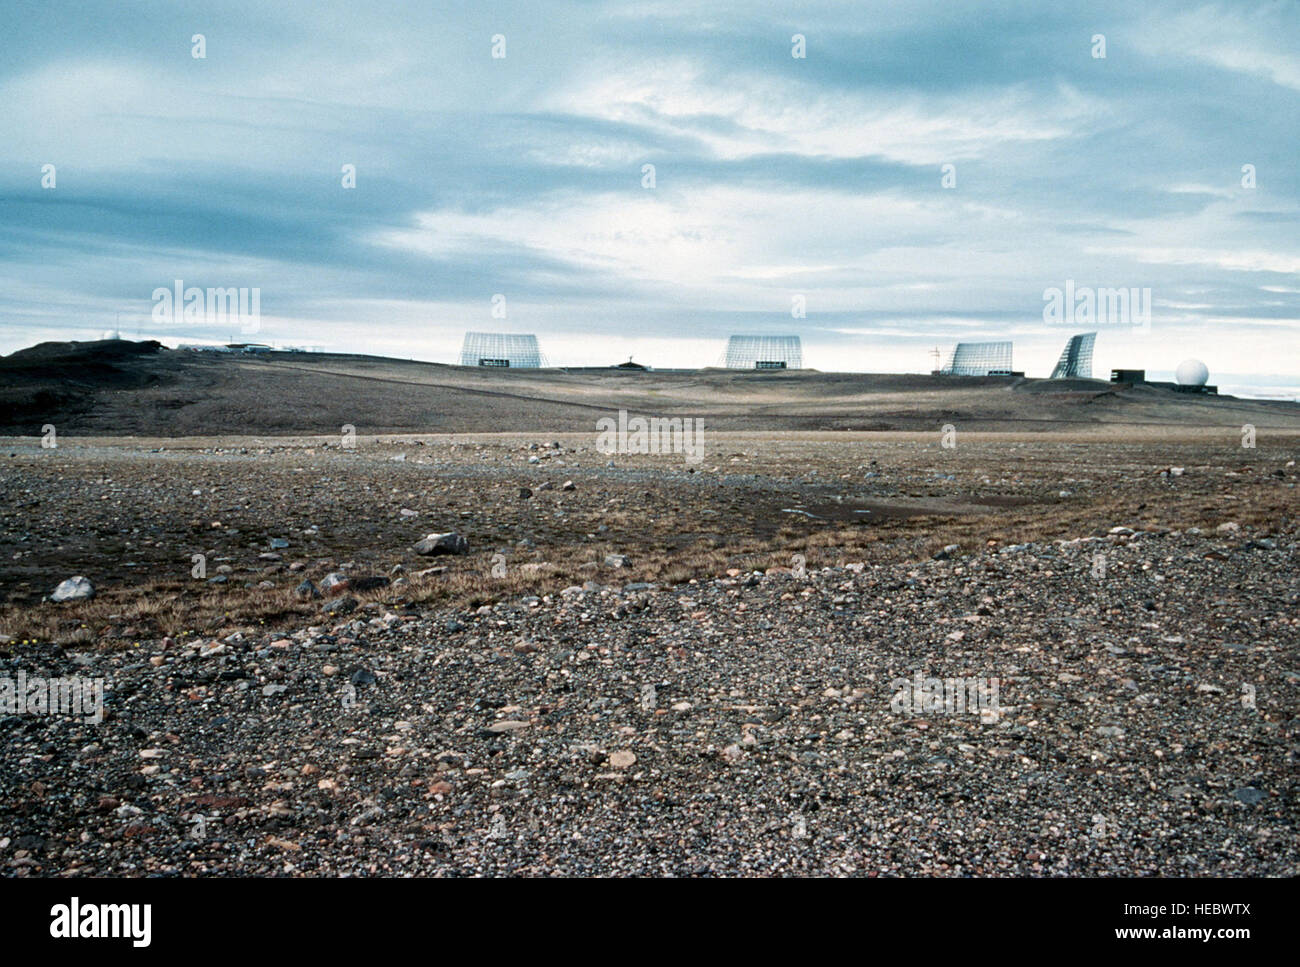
(741, 725)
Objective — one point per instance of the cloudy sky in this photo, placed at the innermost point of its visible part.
(775, 176)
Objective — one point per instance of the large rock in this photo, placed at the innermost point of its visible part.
(338, 606)
(335, 583)
(508, 725)
(450, 543)
(949, 551)
(74, 589)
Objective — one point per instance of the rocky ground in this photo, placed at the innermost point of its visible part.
(705, 716)
(741, 725)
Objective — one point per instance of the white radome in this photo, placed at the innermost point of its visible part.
(1191, 372)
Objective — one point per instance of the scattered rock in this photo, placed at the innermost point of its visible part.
(73, 589)
(335, 583)
(449, 543)
(1249, 795)
(344, 605)
(623, 759)
(508, 725)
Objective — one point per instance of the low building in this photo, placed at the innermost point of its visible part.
(501, 350)
(763, 352)
(978, 359)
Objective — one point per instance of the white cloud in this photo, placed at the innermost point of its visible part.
(751, 114)
(1261, 42)
(1232, 260)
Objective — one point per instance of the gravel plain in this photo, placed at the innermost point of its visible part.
(741, 722)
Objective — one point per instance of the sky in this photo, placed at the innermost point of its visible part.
(510, 193)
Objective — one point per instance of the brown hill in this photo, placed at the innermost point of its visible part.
(119, 387)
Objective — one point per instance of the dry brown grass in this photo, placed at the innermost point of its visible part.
(673, 530)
